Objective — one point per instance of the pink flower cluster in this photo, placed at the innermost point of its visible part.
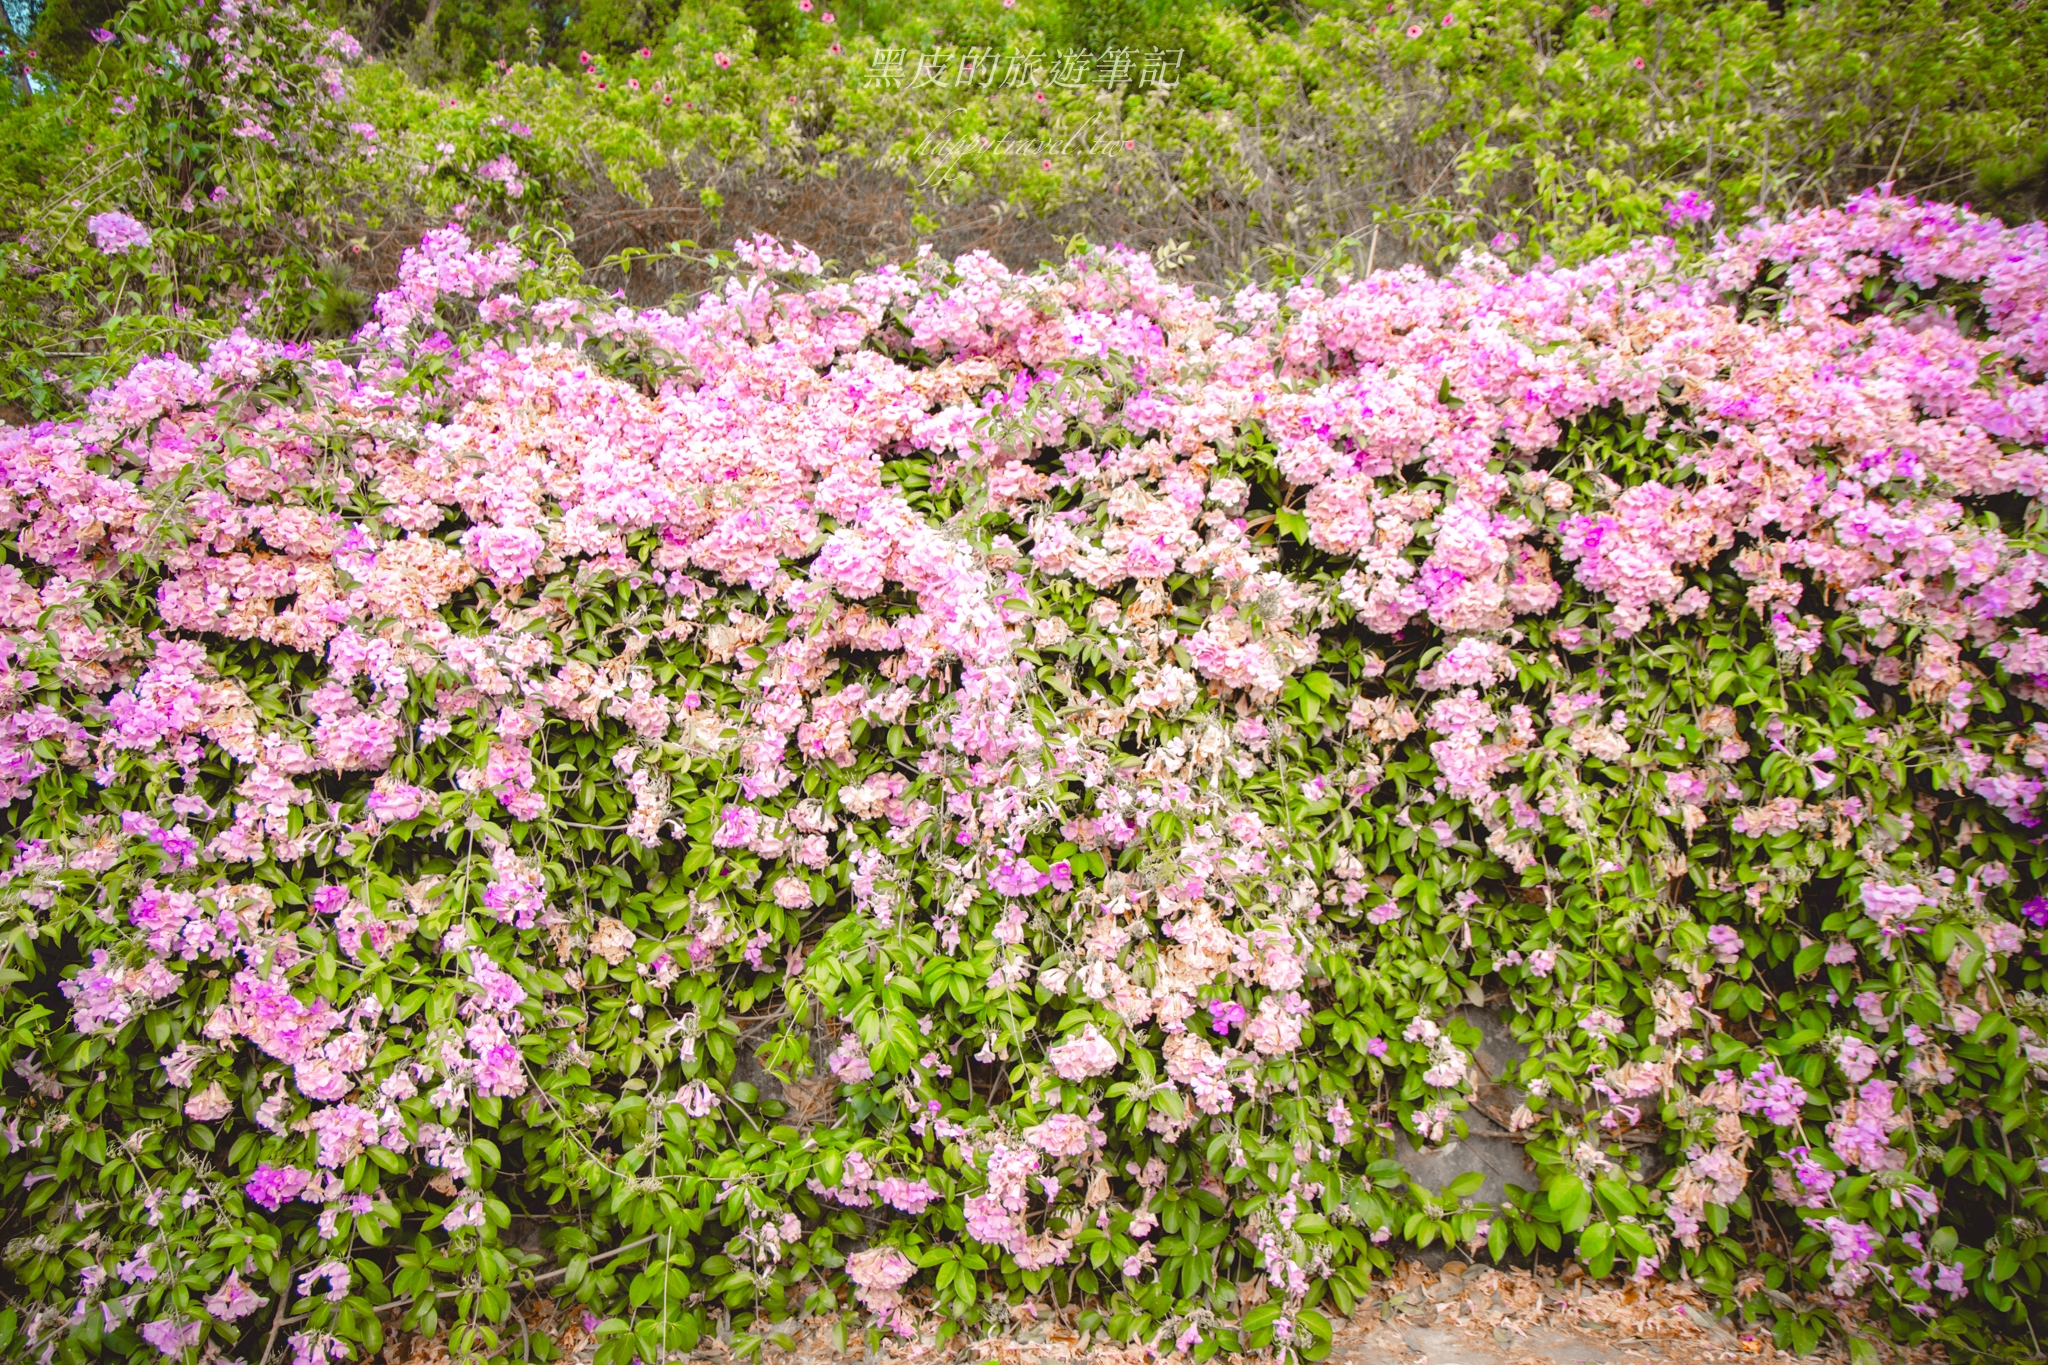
(116, 233)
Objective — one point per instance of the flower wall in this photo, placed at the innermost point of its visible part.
(1120, 734)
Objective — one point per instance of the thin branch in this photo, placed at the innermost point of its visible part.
(451, 1293)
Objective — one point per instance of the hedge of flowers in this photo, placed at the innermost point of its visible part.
(1096, 743)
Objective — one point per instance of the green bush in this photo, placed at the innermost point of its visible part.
(1287, 140)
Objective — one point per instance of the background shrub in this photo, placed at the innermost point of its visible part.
(1292, 139)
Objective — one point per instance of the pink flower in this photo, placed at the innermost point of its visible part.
(336, 1273)
(1085, 1055)
(1852, 1245)
(878, 1274)
(172, 1337)
(391, 802)
(233, 1299)
(722, 60)
(849, 1062)
(1856, 1058)
(1064, 1135)
(209, 1105)
(907, 1196)
(1777, 1097)
(116, 233)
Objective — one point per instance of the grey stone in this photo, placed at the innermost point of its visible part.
(1498, 1159)
(1489, 1148)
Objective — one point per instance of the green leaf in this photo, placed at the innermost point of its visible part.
(1564, 1192)
(1594, 1241)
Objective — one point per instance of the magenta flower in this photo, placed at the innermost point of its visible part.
(1225, 1014)
(2036, 911)
(272, 1186)
(100, 35)
(1690, 207)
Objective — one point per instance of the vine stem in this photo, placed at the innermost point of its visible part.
(451, 1293)
(276, 1321)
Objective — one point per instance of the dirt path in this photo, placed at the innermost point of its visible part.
(1479, 1316)
(1459, 1315)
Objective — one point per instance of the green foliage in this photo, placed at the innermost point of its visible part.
(227, 143)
